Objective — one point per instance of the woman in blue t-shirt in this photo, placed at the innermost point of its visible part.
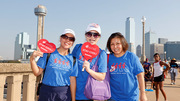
(58, 82)
(92, 35)
(126, 71)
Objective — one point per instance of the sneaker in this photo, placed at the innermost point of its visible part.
(172, 83)
(151, 90)
(146, 89)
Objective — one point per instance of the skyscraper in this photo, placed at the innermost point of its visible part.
(156, 48)
(21, 46)
(162, 40)
(150, 38)
(130, 32)
(138, 51)
(21, 40)
(172, 49)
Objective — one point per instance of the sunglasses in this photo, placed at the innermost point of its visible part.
(95, 35)
(66, 37)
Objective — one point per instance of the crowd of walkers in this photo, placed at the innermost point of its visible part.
(157, 72)
(64, 80)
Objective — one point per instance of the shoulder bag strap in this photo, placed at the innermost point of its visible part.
(48, 55)
(74, 60)
(107, 58)
(95, 65)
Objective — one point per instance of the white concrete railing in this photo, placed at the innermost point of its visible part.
(16, 74)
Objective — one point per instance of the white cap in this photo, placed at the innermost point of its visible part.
(93, 26)
(69, 31)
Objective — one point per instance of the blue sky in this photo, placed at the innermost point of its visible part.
(162, 17)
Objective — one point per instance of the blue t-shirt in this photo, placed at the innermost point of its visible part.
(123, 80)
(166, 63)
(83, 75)
(146, 66)
(58, 70)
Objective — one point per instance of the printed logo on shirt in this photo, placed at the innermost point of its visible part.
(119, 68)
(82, 59)
(60, 64)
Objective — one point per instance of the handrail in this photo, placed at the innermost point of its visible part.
(14, 75)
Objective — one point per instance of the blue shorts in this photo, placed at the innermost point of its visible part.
(50, 93)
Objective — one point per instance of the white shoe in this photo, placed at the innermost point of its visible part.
(171, 83)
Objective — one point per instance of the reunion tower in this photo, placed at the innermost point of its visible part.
(40, 11)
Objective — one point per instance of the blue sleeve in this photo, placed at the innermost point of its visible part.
(42, 61)
(75, 50)
(102, 62)
(75, 69)
(137, 65)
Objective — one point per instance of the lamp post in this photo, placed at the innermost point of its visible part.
(164, 55)
(143, 57)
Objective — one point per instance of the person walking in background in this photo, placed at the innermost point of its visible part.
(148, 74)
(127, 72)
(173, 70)
(92, 35)
(158, 74)
(59, 78)
(166, 72)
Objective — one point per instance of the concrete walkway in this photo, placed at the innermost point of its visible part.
(172, 91)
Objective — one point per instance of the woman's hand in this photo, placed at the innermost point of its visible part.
(35, 54)
(86, 65)
(143, 97)
(96, 75)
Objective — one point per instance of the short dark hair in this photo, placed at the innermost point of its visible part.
(156, 54)
(122, 39)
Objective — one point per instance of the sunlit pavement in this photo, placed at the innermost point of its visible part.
(172, 91)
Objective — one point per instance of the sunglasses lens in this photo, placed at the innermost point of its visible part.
(71, 39)
(66, 37)
(89, 34)
(95, 35)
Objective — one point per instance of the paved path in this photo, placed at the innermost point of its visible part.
(172, 91)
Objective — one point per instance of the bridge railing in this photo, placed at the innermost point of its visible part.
(20, 81)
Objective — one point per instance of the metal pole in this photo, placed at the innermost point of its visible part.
(143, 45)
(143, 42)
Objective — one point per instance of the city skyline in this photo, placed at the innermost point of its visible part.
(18, 16)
